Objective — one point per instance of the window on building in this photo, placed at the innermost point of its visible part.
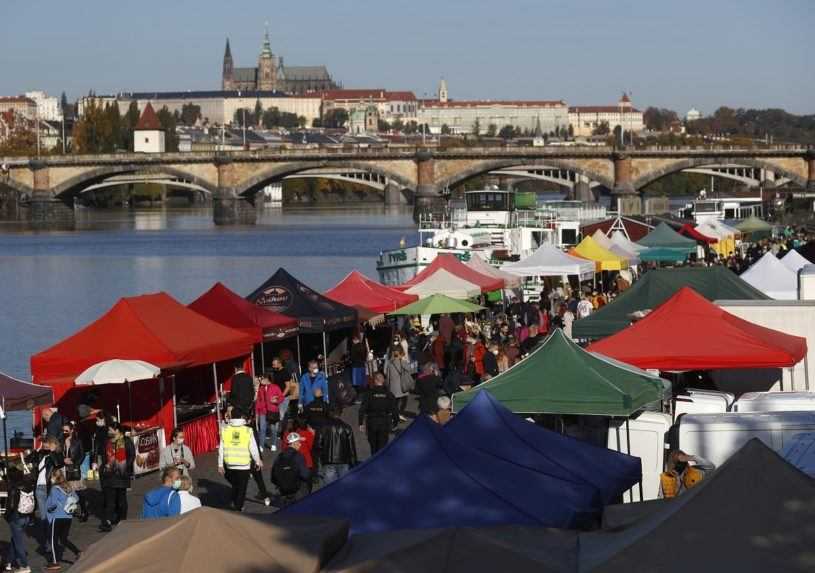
(147, 140)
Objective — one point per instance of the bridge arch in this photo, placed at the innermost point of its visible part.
(495, 165)
(76, 185)
(256, 182)
(698, 162)
(9, 184)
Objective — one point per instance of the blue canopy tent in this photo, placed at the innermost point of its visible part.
(426, 479)
(489, 426)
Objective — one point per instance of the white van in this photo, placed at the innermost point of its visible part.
(694, 401)
(647, 434)
(718, 436)
(775, 402)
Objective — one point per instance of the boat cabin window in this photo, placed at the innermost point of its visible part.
(489, 201)
(568, 236)
(706, 207)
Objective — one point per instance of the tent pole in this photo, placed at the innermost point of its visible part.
(619, 446)
(130, 402)
(792, 378)
(806, 373)
(299, 358)
(252, 361)
(325, 355)
(262, 357)
(175, 412)
(5, 432)
(217, 393)
(628, 441)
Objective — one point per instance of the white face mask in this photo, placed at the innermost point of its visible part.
(100, 423)
(495, 352)
(179, 441)
(177, 484)
(314, 371)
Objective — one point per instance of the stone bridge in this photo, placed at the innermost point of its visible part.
(49, 184)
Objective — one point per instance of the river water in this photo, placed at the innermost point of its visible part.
(54, 283)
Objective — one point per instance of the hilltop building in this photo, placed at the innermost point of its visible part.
(271, 74)
(693, 114)
(584, 119)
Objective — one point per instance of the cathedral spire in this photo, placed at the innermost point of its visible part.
(227, 51)
(267, 44)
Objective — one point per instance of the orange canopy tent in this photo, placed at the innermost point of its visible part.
(451, 264)
(358, 290)
(688, 332)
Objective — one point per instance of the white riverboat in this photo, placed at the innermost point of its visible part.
(706, 209)
(487, 221)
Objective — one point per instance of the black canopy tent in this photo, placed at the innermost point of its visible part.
(315, 313)
(16, 395)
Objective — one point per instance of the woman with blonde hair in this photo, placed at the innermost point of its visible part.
(61, 503)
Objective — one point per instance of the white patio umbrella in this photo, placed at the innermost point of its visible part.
(118, 371)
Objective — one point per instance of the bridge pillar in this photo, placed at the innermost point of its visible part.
(582, 190)
(810, 159)
(393, 194)
(44, 210)
(626, 201)
(427, 199)
(229, 208)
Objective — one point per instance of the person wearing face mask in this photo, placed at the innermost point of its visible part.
(115, 471)
(74, 454)
(188, 501)
(48, 459)
(177, 454)
(164, 501)
(310, 380)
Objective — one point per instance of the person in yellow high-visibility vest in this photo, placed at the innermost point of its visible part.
(237, 451)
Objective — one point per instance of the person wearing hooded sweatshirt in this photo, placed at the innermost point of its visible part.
(59, 520)
(164, 501)
(311, 380)
(236, 452)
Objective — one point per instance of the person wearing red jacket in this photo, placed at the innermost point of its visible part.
(438, 348)
(267, 409)
(301, 427)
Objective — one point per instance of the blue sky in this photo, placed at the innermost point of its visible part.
(743, 53)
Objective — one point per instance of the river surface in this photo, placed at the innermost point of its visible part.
(52, 284)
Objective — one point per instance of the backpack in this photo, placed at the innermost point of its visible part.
(285, 475)
(345, 394)
(26, 503)
(71, 503)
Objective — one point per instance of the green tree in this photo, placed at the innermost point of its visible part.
(168, 124)
(190, 113)
(383, 126)
(258, 114)
(411, 127)
(659, 119)
(571, 131)
(445, 129)
(507, 132)
(317, 122)
(601, 129)
(397, 125)
(335, 118)
(476, 129)
(492, 129)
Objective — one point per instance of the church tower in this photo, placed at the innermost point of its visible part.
(443, 91)
(267, 72)
(227, 76)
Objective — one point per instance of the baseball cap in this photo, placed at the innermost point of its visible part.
(293, 438)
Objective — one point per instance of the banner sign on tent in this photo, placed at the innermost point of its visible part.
(148, 450)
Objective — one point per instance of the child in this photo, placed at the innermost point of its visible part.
(19, 512)
(59, 520)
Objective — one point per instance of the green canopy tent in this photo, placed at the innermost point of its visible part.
(663, 255)
(562, 378)
(664, 236)
(657, 286)
(755, 227)
(437, 304)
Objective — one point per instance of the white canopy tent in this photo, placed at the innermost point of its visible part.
(794, 261)
(478, 264)
(773, 278)
(604, 241)
(618, 238)
(549, 261)
(445, 282)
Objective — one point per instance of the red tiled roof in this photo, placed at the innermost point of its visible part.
(17, 99)
(602, 109)
(491, 103)
(148, 120)
(373, 94)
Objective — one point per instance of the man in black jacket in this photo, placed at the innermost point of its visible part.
(428, 387)
(242, 395)
(335, 448)
(289, 472)
(316, 411)
(378, 413)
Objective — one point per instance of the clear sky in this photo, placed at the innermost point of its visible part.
(742, 53)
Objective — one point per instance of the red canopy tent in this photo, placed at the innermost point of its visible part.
(689, 231)
(687, 332)
(157, 329)
(451, 264)
(358, 290)
(230, 309)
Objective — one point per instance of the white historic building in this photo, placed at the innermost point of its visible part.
(390, 105)
(693, 114)
(148, 135)
(585, 119)
(48, 107)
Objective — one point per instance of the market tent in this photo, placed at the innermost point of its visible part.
(230, 309)
(486, 424)
(358, 290)
(635, 228)
(446, 283)
(657, 286)
(549, 261)
(478, 264)
(315, 313)
(437, 304)
(794, 261)
(604, 259)
(725, 236)
(562, 378)
(664, 255)
(618, 238)
(452, 265)
(601, 239)
(208, 539)
(754, 226)
(17, 395)
(689, 231)
(688, 332)
(425, 479)
(155, 328)
(772, 277)
(664, 236)
(751, 514)
(517, 549)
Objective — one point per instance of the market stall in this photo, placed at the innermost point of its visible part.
(445, 283)
(19, 396)
(604, 241)
(453, 266)
(479, 265)
(794, 261)
(688, 332)
(772, 277)
(725, 244)
(604, 260)
(549, 261)
(755, 228)
(358, 290)
(195, 354)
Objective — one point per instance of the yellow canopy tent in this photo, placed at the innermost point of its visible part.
(604, 260)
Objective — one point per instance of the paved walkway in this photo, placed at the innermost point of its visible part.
(210, 486)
